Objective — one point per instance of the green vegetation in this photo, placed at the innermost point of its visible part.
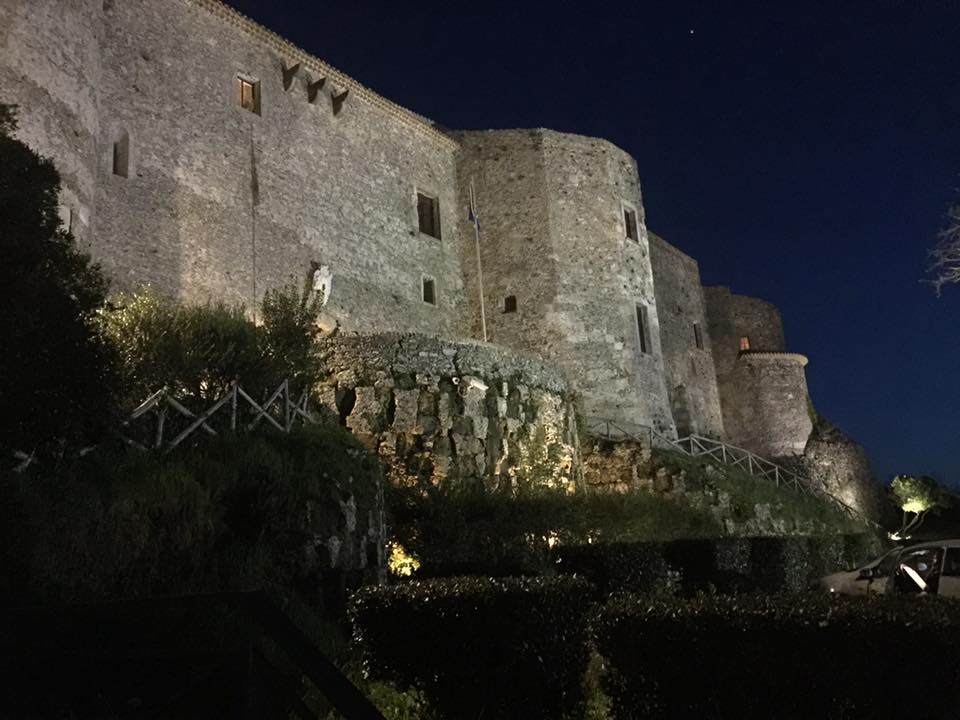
(915, 496)
(508, 648)
(236, 513)
(198, 350)
(500, 533)
(746, 491)
(56, 375)
(751, 656)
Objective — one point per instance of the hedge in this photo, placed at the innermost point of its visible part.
(783, 656)
(728, 565)
(479, 647)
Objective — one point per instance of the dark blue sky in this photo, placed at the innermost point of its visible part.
(802, 152)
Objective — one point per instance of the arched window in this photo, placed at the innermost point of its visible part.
(121, 154)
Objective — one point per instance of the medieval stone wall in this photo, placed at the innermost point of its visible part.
(732, 317)
(441, 413)
(220, 202)
(687, 348)
(50, 68)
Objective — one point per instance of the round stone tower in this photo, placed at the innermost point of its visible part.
(763, 389)
(566, 265)
(49, 67)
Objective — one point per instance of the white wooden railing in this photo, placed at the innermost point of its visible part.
(279, 410)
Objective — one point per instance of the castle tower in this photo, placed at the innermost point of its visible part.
(763, 388)
(566, 265)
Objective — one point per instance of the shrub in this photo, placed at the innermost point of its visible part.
(785, 656)
(479, 648)
(198, 350)
(727, 565)
(56, 377)
(501, 533)
(237, 513)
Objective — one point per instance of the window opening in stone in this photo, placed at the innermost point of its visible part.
(643, 332)
(121, 155)
(248, 94)
(428, 215)
(698, 335)
(429, 291)
(630, 224)
(744, 343)
(510, 304)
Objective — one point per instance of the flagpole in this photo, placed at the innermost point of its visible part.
(476, 238)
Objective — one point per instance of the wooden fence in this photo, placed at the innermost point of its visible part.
(279, 410)
(725, 454)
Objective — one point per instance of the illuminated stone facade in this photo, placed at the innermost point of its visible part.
(205, 156)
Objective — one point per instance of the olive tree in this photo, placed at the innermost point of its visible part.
(915, 497)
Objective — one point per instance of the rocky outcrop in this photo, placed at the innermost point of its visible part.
(440, 413)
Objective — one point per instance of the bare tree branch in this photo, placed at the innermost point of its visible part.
(946, 255)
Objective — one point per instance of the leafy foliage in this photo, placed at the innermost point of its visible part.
(784, 656)
(508, 648)
(915, 496)
(237, 513)
(727, 565)
(55, 374)
(502, 533)
(198, 350)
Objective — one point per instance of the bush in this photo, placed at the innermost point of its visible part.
(499, 533)
(198, 350)
(56, 376)
(727, 565)
(479, 648)
(238, 513)
(786, 656)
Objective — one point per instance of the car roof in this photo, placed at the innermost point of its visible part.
(934, 543)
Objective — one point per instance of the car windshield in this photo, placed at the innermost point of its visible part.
(884, 565)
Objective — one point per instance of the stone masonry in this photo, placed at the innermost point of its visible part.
(209, 158)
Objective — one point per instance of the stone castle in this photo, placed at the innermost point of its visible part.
(207, 157)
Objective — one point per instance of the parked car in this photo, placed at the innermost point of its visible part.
(930, 567)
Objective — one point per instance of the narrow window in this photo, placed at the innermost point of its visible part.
(429, 291)
(643, 329)
(744, 343)
(248, 94)
(121, 155)
(428, 215)
(630, 224)
(510, 304)
(698, 335)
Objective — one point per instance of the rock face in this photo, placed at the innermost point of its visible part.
(440, 413)
(627, 466)
(841, 466)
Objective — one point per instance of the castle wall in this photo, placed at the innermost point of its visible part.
(732, 317)
(441, 413)
(223, 203)
(552, 218)
(50, 68)
(690, 375)
(765, 404)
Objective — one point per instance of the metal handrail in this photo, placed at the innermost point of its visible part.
(694, 445)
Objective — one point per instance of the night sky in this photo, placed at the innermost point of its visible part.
(802, 152)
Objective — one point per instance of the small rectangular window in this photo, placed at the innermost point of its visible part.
(248, 94)
(429, 291)
(121, 156)
(698, 336)
(643, 329)
(428, 215)
(630, 224)
(744, 343)
(510, 304)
